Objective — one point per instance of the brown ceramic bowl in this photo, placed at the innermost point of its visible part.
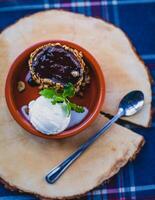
(92, 99)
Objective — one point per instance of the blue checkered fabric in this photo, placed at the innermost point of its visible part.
(136, 181)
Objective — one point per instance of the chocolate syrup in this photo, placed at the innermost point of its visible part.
(57, 64)
(29, 80)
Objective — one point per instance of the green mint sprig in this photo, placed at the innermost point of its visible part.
(62, 96)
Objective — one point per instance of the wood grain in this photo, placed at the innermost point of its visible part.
(25, 159)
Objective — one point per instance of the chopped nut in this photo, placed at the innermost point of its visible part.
(41, 87)
(58, 86)
(45, 86)
(87, 78)
(81, 94)
(77, 88)
(88, 81)
(83, 84)
(21, 86)
(80, 53)
(75, 73)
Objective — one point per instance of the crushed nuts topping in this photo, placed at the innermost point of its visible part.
(20, 86)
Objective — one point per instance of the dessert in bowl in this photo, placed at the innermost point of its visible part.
(55, 89)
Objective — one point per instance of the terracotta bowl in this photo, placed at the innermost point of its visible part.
(92, 99)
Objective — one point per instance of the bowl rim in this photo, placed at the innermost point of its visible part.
(66, 133)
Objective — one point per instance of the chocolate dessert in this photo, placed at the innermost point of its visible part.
(56, 65)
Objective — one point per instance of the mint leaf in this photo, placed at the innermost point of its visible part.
(69, 90)
(66, 107)
(60, 97)
(57, 99)
(53, 102)
(48, 93)
(76, 108)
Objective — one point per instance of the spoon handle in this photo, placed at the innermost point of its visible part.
(56, 172)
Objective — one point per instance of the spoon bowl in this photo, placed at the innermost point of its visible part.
(132, 102)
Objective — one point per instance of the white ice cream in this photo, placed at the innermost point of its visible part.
(48, 118)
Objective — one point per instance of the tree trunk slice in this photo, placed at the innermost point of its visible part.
(123, 69)
(25, 159)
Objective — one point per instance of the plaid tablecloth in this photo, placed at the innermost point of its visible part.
(137, 19)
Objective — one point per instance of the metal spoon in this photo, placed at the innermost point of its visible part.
(129, 105)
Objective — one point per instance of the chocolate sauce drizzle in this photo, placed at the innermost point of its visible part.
(57, 64)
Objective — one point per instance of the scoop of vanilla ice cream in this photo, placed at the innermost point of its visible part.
(46, 117)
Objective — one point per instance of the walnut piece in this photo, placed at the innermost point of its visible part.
(75, 73)
(21, 86)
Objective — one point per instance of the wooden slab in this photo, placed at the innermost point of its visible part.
(123, 69)
(25, 159)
